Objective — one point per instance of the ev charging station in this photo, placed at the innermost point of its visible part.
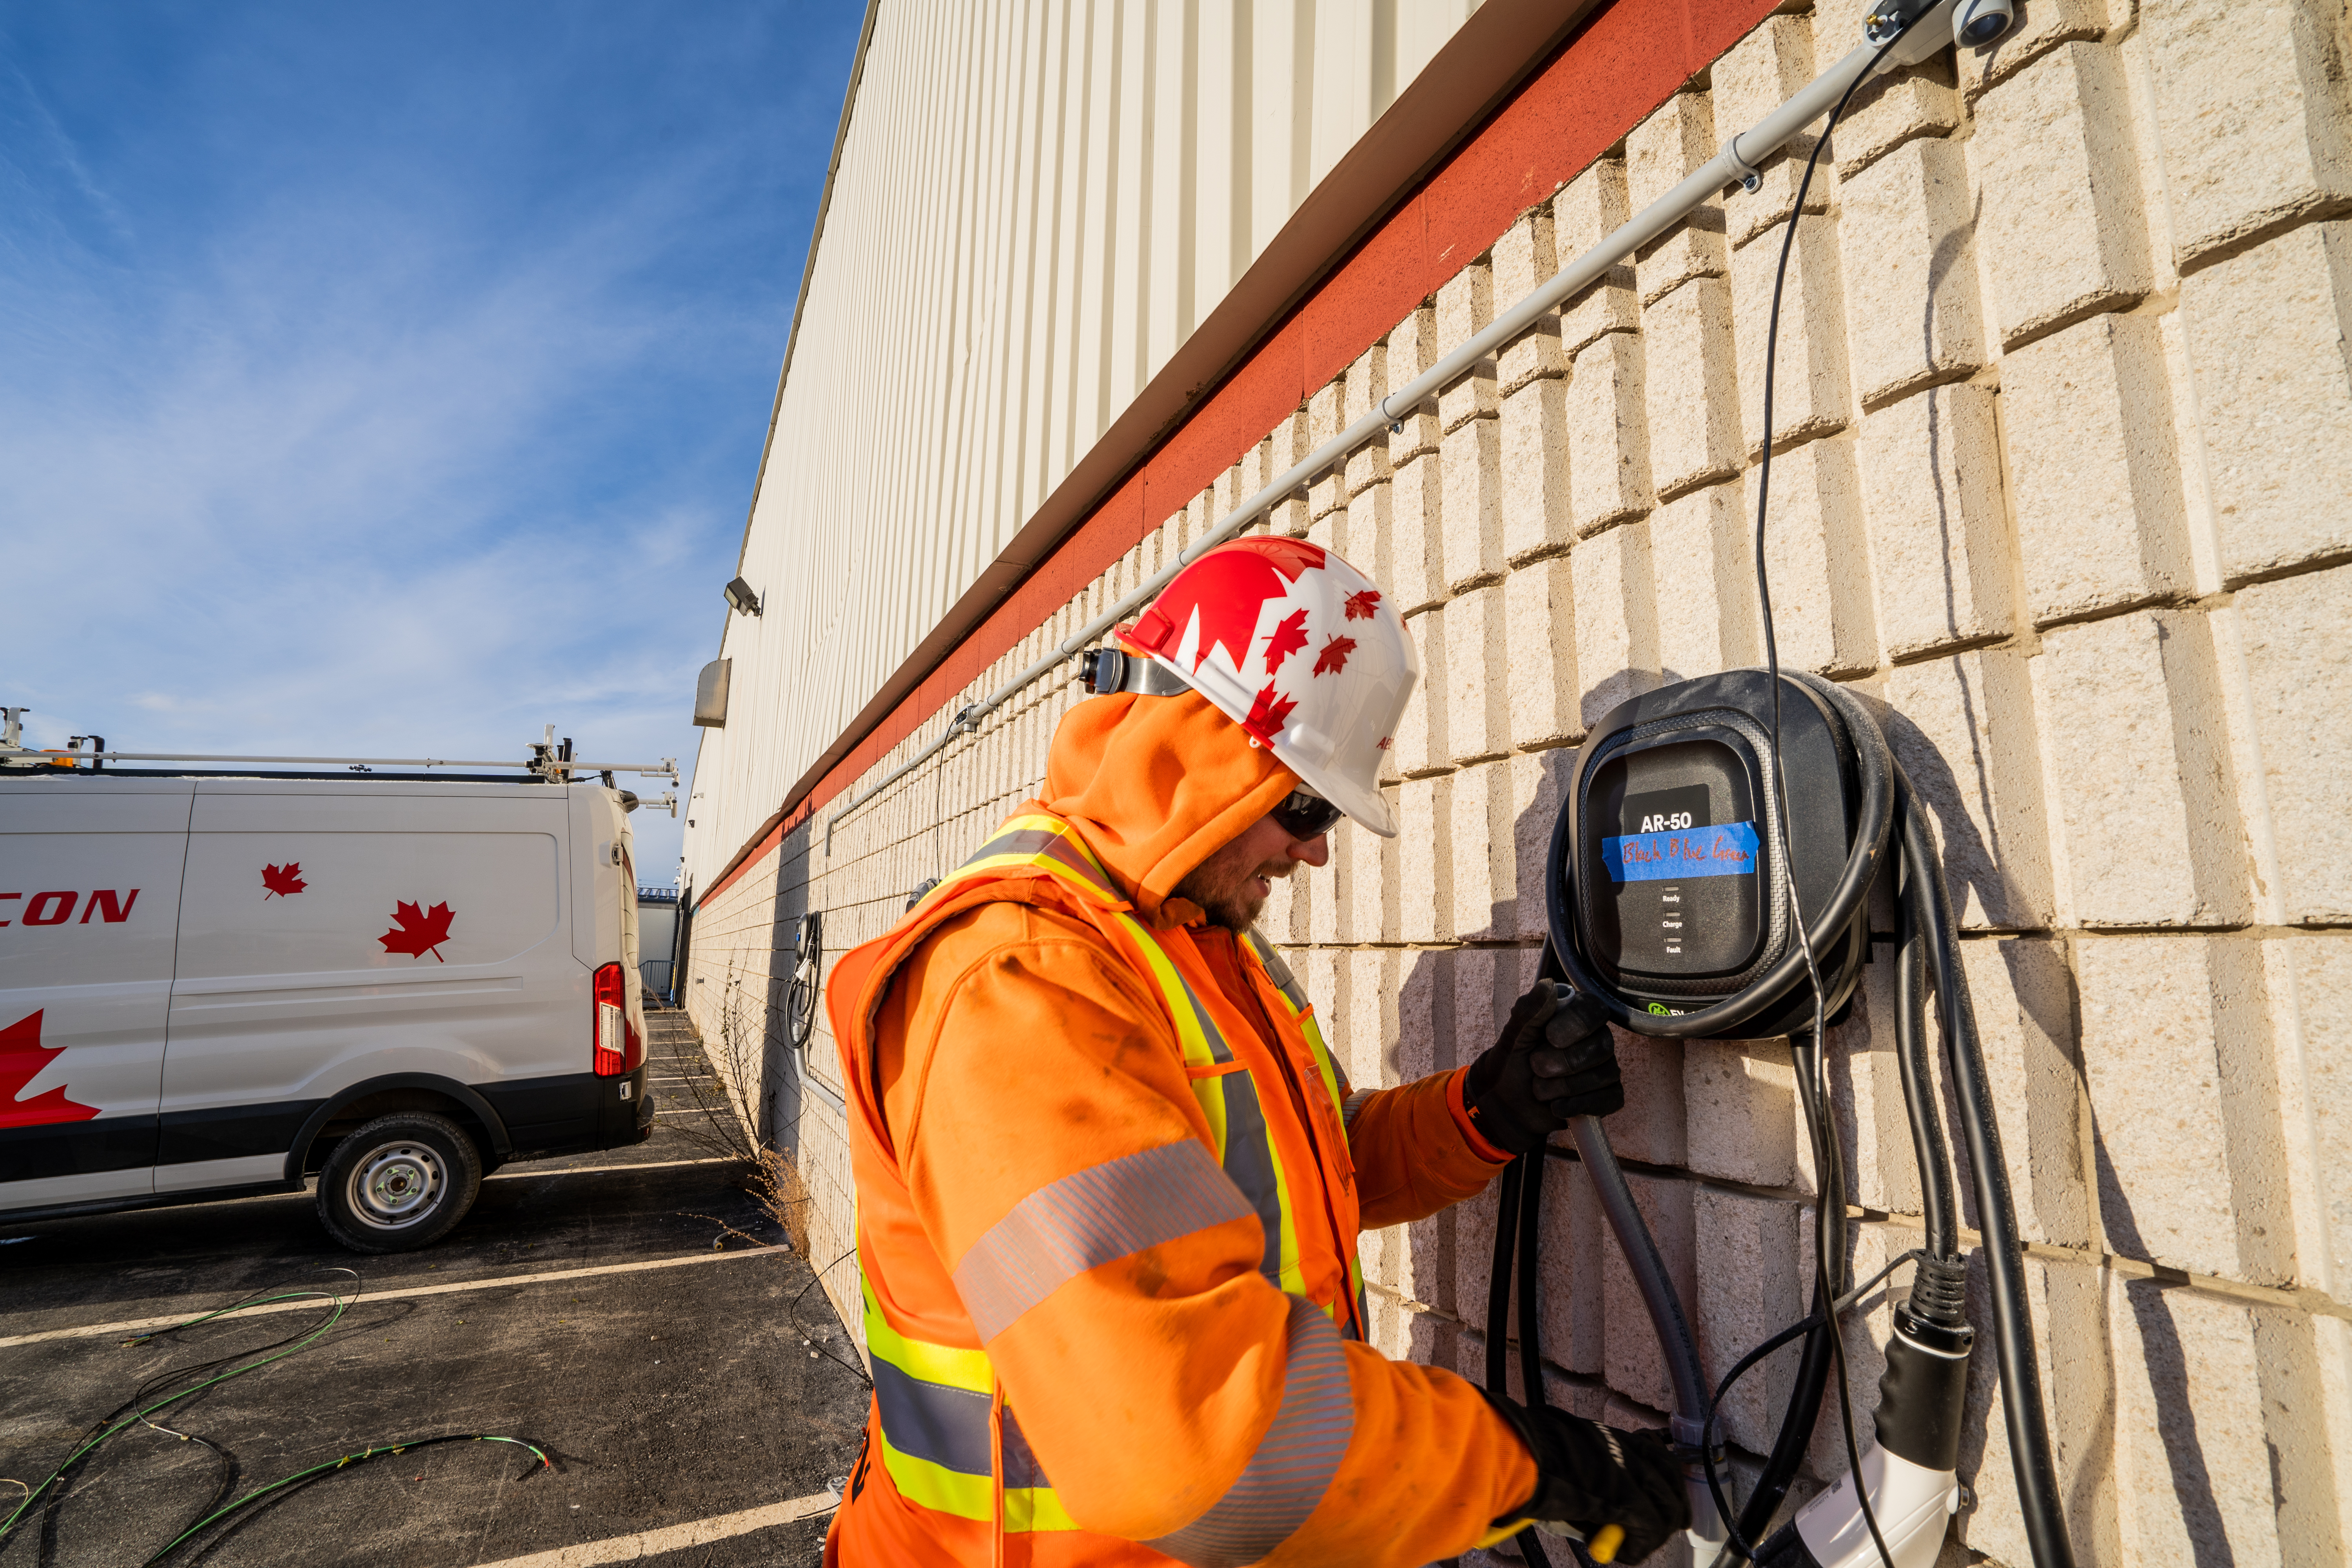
(1709, 877)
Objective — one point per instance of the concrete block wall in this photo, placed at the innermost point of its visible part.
(2060, 457)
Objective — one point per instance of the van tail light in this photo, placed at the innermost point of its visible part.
(619, 1047)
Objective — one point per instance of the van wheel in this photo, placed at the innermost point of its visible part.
(401, 1182)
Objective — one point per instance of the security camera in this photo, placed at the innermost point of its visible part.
(1976, 23)
(742, 599)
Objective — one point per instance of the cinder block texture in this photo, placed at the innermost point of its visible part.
(1426, 848)
(1964, 730)
(1702, 565)
(1818, 553)
(2133, 705)
(2022, 997)
(1754, 77)
(1477, 681)
(1740, 1101)
(2299, 677)
(1809, 394)
(1752, 1283)
(1571, 1270)
(2070, 1307)
(1465, 303)
(2309, 981)
(1660, 153)
(1891, 110)
(1616, 626)
(1416, 533)
(1692, 386)
(1534, 461)
(1412, 350)
(1472, 542)
(1486, 861)
(2188, 1381)
(1587, 210)
(2063, 233)
(2094, 469)
(2039, 27)
(1539, 640)
(1634, 1364)
(1608, 435)
(1523, 259)
(2250, 109)
(1939, 533)
(2189, 1162)
(2267, 335)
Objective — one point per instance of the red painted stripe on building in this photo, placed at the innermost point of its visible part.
(1625, 62)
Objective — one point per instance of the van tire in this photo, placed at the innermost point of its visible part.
(399, 1183)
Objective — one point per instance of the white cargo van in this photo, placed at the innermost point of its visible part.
(215, 986)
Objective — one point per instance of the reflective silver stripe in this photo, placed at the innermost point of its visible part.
(1278, 972)
(948, 1426)
(1089, 1218)
(1351, 1105)
(1295, 1462)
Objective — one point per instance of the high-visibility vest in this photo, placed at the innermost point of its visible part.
(949, 1445)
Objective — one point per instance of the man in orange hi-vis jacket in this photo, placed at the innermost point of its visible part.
(1110, 1177)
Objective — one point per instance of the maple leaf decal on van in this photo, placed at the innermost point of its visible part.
(283, 881)
(22, 1056)
(417, 931)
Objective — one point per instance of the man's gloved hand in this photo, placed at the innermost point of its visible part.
(1554, 1059)
(1589, 1476)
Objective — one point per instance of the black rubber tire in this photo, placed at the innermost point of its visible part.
(401, 1182)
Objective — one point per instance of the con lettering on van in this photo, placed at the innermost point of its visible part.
(56, 907)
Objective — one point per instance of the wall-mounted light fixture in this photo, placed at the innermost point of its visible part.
(740, 599)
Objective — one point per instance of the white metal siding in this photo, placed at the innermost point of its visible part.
(1037, 201)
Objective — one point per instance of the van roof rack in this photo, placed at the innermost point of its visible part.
(550, 761)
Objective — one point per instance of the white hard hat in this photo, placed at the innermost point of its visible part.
(1298, 648)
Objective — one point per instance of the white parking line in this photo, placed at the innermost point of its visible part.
(653, 1543)
(585, 1170)
(141, 1325)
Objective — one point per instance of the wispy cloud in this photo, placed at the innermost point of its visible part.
(391, 464)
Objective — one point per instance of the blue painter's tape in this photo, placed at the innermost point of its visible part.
(1725, 850)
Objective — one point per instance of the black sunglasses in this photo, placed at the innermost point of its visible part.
(1303, 814)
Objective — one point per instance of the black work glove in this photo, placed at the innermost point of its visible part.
(1554, 1059)
(1589, 1476)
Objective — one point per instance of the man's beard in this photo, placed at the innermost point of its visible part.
(1226, 890)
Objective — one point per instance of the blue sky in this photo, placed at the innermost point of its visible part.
(391, 380)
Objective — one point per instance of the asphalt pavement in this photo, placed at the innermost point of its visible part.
(697, 1398)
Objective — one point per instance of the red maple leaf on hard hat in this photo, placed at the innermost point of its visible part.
(1269, 714)
(1225, 589)
(22, 1056)
(417, 931)
(1289, 634)
(284, 881)
(1334, 657)
(1362, 602)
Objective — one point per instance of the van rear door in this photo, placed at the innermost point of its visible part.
(89, 891)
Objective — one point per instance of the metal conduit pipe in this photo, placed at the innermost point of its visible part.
(1737, 164)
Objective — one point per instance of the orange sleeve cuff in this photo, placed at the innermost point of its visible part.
(1470, 1135)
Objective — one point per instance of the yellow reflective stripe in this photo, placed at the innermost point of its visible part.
(933, 1485)
(1036, 1508)
(1190, 1033)
(936, 1487)
(949, 1364)
(1292, 1273)
(1326, 1067)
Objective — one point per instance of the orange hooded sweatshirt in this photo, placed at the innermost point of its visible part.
(1002, 1052)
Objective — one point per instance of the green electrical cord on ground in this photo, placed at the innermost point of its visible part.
(336, 1464)
(140, 1414)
